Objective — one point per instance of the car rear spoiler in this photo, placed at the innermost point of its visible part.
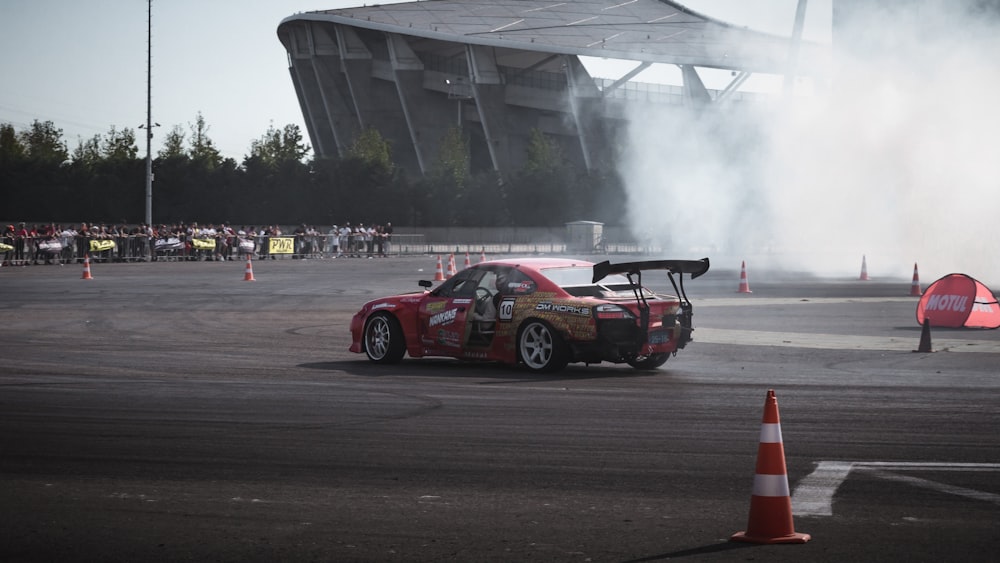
(680, 267)
(693, 267)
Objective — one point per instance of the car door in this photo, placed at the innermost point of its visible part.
(444, 313)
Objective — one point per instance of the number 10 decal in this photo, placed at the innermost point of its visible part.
(506, 311)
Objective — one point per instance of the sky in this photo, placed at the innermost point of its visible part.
(82, 65)
(897, 167)
(894, 167)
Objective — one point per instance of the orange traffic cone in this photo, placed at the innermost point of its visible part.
(248, 276)
(86, 268)
(468, 262)
(915, 286)
(451, 265)
(438, 272)
(770, 504)
(864, 269)
(482, 256)
(744, 284)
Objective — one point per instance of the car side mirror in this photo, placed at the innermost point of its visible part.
(426, 284)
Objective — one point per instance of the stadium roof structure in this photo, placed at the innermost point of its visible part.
(498, 42)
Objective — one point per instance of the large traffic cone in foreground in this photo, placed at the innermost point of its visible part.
(925, 337)
(744, 284)
(915, 286)
(248, 276)
(86, 268)
(864, 269)
(451, 265)
(438, 271)
(770, 504)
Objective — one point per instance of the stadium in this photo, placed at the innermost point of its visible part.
(499, 70)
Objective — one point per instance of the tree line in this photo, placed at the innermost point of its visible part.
(102, 179)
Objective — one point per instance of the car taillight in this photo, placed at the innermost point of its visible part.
(609, 311)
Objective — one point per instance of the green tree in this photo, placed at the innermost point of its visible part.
(203, 150)
(487, 201)
(173, 144)
(119, 145)
(87, 152)
(446, 200)
(277, 146)
(373, 150)
(365, 177)
(11, 149)
(43, 142)
(541, 191)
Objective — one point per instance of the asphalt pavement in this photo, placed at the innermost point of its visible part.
(172, 411)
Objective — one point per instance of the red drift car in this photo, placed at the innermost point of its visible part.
(540, 312)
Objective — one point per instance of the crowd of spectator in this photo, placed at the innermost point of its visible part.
(52, 243)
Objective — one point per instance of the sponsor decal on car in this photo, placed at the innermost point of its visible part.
(524, 287)
(443, 318)
(505, 312)
(550, 307)
(435, 306)
(448, 338)
(384, 306)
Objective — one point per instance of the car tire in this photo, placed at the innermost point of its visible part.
(383, 339)
(650, 362)
(540, 348)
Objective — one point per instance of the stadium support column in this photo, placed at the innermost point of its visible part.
(428, 116)
(356, 63)
(488, 91)
(695, 93)
(585, 102)
(298, 42)
(331, 86)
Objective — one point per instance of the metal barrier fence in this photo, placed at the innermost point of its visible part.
(22, 251)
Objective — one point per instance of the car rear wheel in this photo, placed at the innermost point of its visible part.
(540, 347)
(384, 340)
(650, 362)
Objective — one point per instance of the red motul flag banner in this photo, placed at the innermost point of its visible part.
(958, 300)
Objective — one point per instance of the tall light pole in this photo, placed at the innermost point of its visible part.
(149, 114)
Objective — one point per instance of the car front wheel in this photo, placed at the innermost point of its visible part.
(540, 347)
(384, 340)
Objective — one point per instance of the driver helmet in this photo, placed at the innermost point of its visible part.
(501, 282)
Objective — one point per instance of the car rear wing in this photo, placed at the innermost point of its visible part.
(693, 267)
(680, 267)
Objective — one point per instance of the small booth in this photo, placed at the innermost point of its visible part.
(584, 236)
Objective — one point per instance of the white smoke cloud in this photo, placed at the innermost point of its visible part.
(898, 162)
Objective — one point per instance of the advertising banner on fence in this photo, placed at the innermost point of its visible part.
(281, 245)
(203, 244)
(100, 245)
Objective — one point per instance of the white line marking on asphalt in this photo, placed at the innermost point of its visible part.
(836, 341)
(772, 301)
(822, 340)
(814, 494)
(935, 486)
